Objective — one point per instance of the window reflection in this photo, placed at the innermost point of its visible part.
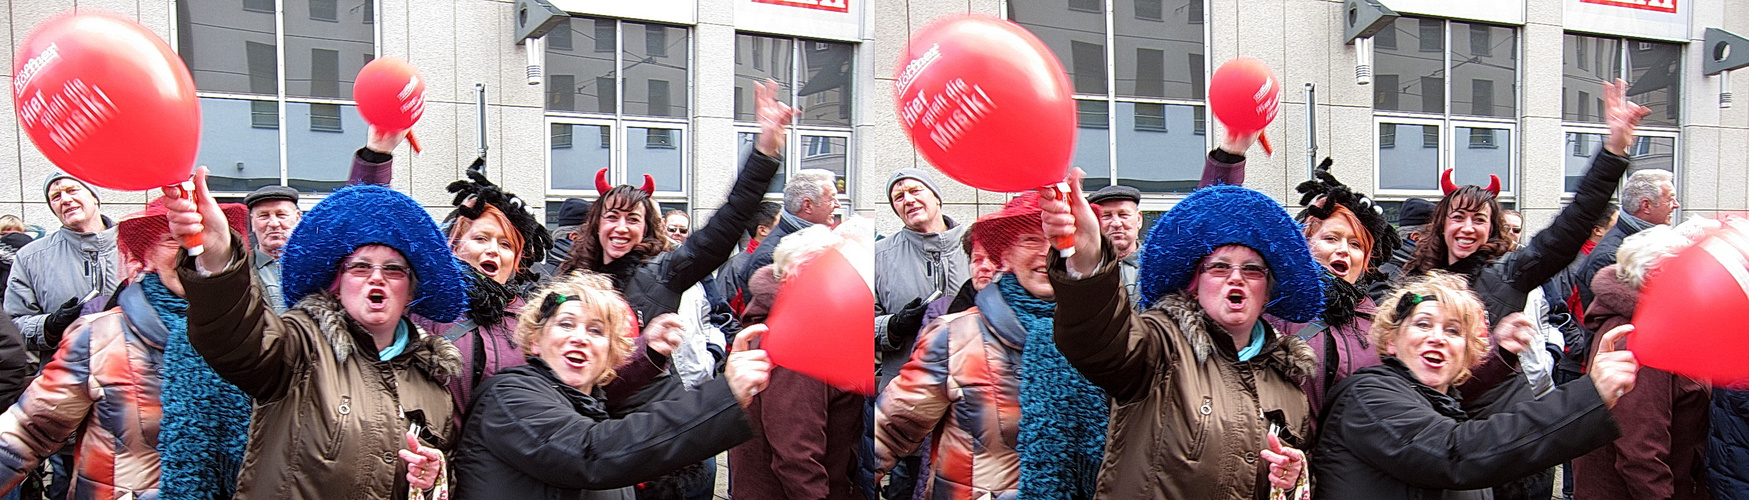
(824, 90)
(320, 159)
(654, 151)
(1408, 156)
(579, 75)
(1160, 157)
(249, 158)
(1158, 58)
(757, 59)
(1654, 72)
(577, 155)
(1075, 31)
(655, 69)
(1484, 68)
(1483, 152)
(1410, 69)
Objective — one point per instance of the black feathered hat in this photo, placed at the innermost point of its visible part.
(474, 194)
(1324, 193)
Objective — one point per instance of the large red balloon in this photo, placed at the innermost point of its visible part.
(1244, 95)
(1689, 319)
(107, 101)
(822, 325)
(987, 103)
(390, 93)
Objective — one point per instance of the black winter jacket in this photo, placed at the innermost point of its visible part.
(1727, 450)
(653, 285)
(1388, 436)
(531, 436)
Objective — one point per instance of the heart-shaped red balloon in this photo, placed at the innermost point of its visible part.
(1244, 95)
(107, 101)
(987, 103)
(390, 93)
(1689, 317)
(822, 324)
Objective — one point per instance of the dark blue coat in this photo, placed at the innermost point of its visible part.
(1727, 452)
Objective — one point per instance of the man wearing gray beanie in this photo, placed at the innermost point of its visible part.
(920, 261)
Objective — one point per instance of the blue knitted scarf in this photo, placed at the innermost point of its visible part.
(1062, 415)
(206, 419)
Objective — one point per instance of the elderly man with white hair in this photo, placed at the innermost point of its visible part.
(1648, 198)
(810, 197)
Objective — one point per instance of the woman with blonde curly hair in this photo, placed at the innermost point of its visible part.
(543, 430)
(1398, 430)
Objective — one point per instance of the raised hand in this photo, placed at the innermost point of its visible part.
(384, 141)
(1613, 372)
(748, 369)
(1515, 333)
(189, 214)
(1239, 143)
(1622, 116)
(1070, 215)
(773, 119)
(663, 333)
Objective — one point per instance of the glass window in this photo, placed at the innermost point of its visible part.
(574, 164)
(662, 58)
(1484, 70)
(1648, 151)
(757, 59)
(824, 91)
(1654, 81)
(582, 80)
(1412, 160)
(817, 76)
(1410, 72)
(1484, 152)
(1139, 85)
(655, 151)
(233, 51)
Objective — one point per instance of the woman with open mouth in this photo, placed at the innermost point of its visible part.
(544, 430)
(1206, 400)
(1349, 236)
(343, 380)
(1465, 236)
(1398, 430)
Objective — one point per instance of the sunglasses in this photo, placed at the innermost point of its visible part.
(364, 270)
(1223, 270)
(678, 229)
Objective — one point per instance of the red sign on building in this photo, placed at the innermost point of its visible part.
(1652, 5)
(844, 5)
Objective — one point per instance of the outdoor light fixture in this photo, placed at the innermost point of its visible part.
(1725, 51)
(1361, 19)
(534, 18)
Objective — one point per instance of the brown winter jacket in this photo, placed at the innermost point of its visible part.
(1188, 418)
(328, 416)
(1663, 420)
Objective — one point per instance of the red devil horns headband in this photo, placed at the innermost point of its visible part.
(602, 187)
(1447, 186)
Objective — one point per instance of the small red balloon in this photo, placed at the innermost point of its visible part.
(107, 101)
(1244, 95)
(1689, 317)
(822, 325)
(390, 93)
(987, 103)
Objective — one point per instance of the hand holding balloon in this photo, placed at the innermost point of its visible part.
(1245, 95)
(1071, 217)
(188, 211)
(391, 97)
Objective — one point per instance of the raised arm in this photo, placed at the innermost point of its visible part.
(1226, 164)
(229, 322)
(1556, 246)
(374, 163)
(712, 244)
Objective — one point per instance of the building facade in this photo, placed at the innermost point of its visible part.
(1510, 88)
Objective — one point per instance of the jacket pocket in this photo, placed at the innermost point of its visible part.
(1199, 434)
(342, 413)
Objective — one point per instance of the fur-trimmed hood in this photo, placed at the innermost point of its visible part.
(430, 353)
(1287, 354)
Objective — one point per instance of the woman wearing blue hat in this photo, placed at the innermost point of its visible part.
(1206, 401)
(343, 381)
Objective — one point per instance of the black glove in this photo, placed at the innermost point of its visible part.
(905, 323)
(57, 322)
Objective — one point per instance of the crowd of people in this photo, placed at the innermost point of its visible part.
(1229, 349)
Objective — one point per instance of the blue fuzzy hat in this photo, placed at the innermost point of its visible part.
(374, 215)
(1226, 215)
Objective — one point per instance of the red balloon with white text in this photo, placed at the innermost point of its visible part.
(390, 93)
(1688, 319)
(822, 324)
(107, 101)
(987, 103)
(1244, 95)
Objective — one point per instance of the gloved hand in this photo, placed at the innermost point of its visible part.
(55, 325)
(905, 323)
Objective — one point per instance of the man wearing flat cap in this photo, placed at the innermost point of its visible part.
(1120, 218)
(273, 214)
